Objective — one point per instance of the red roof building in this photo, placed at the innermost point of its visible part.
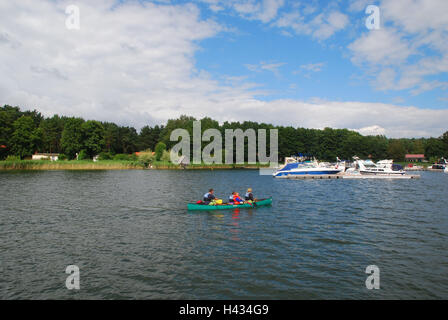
(415, 157)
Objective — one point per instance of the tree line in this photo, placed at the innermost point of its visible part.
(22, 133)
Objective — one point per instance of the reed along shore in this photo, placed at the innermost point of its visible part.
(112, 165)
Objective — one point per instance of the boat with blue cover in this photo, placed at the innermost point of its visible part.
(294, 167)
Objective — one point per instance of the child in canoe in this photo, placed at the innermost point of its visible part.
(231, 197)
(237, 199)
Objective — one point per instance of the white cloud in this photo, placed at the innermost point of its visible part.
(372, 131)
(264, 66)
(130, 61)
(388, 119)
(410, 30)
(327, 25)
(307, 69)
(264, 10)
(358, 5)
(321, 26)
(385, 79)
(269, 9)
(134, 64)
(416, 16)
(431, 85)
(314, 67)
(295, 21)
(380, 47)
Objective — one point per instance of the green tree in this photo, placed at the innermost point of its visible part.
(328, 144)
(51, 134)
(93, 137)
(8, 115)
(35, 115)
(72, 137)
(112, 138)
(444, 139)
(288, 142)
(160, 147)
(396, 150)
(25, 137)
(418, 147)
(434, 148)
(149, 137)
(376, 147)
(183, 122)
(353, 145)
(129, 140)
(83, 155)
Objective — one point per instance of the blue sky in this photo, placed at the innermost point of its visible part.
(306, 67)
(302, 63)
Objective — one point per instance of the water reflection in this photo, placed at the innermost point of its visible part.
(235, 225)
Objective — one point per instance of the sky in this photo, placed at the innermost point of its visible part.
(312, 64)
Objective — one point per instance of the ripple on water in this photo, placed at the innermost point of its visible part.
(132, 238)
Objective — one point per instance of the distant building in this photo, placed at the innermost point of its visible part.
(414, 157)
(45, 156)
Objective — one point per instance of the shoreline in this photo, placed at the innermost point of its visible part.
(33, 165)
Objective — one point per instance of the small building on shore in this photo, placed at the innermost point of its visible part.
(45, 156)
(414, 157)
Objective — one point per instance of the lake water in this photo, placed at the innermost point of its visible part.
(132, 237)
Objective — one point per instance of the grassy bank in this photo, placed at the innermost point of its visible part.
(111, 165)
(69, 165)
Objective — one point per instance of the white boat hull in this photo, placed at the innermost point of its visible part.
(317, 171)
(397, 173)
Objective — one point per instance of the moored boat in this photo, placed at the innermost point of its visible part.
(294, 167)
(442, 164)
(227, 206)
(383, 167)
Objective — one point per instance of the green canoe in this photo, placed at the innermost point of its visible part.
(204, 207)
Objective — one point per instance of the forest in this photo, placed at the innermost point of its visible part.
(23, 133)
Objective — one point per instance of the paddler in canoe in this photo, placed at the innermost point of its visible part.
(249, 196)
(211, 203)
(234, 199)
(209, 197)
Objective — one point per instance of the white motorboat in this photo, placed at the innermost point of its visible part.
(383, 167)
(294, 166)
